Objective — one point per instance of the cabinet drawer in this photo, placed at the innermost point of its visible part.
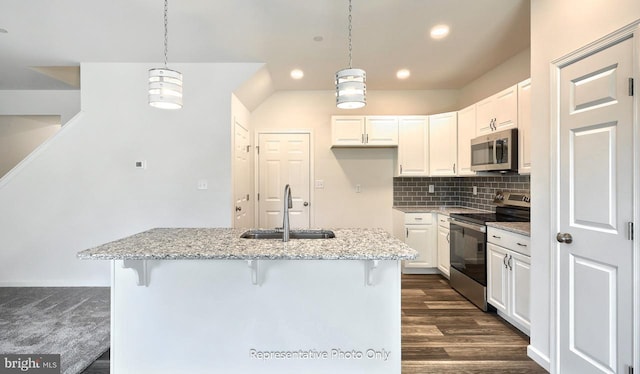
(418, 218)
(443, 220)
(510, 240)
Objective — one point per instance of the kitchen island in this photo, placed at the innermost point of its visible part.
(206, 301)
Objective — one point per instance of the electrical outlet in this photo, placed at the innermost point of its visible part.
(432, 188)
(358, 188)
(475, 190)
(141, 164)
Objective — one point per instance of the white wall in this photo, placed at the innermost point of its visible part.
(337, 205)
(514, 70)
(65, 103)
(20, 135)
(557, 28)
(81, 189)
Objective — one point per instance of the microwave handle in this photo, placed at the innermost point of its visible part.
(495, 152)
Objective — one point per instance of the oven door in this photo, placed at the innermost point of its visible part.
(468, 249)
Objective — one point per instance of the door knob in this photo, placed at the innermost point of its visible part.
(564, 238)
(305, 203)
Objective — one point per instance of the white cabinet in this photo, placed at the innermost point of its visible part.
(413, 146)
(498, 112)
(524, 127)
(418, 231)
(443, 144)
(508, 276)
(444, 260)
(364, 131)
(466, 132)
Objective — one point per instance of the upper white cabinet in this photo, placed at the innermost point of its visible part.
(524, 127)
(443, 144)
(413, 146)
(498, 112)
(466, 132)
(364, 131)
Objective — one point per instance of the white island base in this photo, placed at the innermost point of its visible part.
(301, 316)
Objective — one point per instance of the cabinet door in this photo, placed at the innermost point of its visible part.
(524, 127)
(381, 130)
(485, 114)
(413, 146)
(466, 132)
(443, 250)
(347, 130)
(443, 144)
(506, 109)
(497, 277)
(419, 237)
(520, 275)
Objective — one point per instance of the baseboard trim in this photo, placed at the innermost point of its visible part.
(539, 358)
(53, 284)
(416, 270)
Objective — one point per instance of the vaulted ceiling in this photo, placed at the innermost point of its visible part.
(285, 34)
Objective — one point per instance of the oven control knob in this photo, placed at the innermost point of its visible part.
(564, 238)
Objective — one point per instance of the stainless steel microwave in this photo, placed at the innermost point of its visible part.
(497, 151)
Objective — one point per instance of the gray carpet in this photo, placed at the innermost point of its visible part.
(70, 321)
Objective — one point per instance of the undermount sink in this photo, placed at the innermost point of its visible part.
(293, 234)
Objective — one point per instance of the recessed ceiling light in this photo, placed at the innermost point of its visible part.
(3, 31)
(439, 31)
(403, 74)
(297, 74)
(318, 38)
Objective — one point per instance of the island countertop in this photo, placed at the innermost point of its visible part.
(226, 244)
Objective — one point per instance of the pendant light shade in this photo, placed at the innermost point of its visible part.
(165, 88)
(351, 88)
(165, 85)
(351, 83)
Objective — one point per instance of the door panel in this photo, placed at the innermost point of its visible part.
(242, 177)
(592, 164)
(497, 277)
(595, 204)
(283, 159)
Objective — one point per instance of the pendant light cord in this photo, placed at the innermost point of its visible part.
(166, 32)
(350, 45)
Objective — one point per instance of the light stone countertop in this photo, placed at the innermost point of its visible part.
(522, 228)
(438, 209)
(226, 244)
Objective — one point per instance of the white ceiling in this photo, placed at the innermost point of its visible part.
(387, 35)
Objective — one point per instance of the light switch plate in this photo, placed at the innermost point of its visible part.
(319, 184)
(203, 184)
(141, 164)
(475, 190)
(358, 188)
(432, 188)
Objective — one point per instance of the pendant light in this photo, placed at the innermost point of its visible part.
(351, 87)
(165, 85)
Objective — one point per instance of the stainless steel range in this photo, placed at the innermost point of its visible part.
(468, 244)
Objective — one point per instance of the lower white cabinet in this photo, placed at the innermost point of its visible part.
(444, 260)
(418, 231)
(508, 276)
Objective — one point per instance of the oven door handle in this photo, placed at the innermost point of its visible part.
(471, 226)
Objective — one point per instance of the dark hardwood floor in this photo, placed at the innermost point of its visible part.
(442, 332)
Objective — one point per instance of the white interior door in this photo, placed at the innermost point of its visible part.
(283, 159)
(595, 207)
(242, 177)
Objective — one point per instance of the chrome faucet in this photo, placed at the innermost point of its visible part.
(288, 204)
